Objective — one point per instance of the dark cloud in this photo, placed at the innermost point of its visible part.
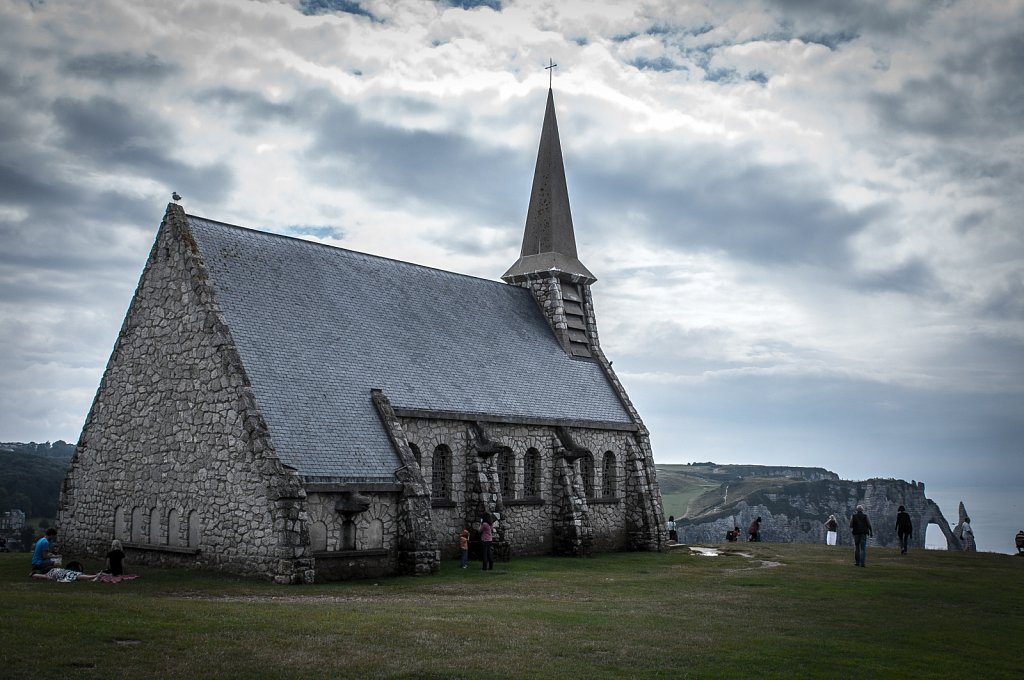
(249, 107)
(709, 198)
(112, 136)
(113, 66)
(1007, 300)
(874, 15)
(446, 170)
(978, 93)
(914, 278)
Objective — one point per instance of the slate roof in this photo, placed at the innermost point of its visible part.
(318, 327)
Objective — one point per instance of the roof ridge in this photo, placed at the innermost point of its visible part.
(346, 250)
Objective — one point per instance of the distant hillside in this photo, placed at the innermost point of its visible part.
(31, 475)
(696, 488)
(708, 499)
(58, 449)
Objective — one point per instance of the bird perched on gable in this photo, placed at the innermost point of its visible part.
(176, 196)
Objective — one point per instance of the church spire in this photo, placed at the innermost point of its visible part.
(549, 243)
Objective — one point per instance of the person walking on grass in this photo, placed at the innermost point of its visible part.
(832, 530)
(904, 528)
(860, 526)
(754, 530)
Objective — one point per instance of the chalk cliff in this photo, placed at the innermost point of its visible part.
(795, 510)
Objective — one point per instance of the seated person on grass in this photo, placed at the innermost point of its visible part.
(42, 559)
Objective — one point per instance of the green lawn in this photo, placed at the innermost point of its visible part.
(784, 611)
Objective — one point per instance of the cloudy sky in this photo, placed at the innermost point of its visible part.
(805, 217)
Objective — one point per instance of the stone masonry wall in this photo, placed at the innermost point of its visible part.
(174, 458)
(526, 522)
(645, 515)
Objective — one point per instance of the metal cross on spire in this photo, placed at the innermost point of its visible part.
(550, 68)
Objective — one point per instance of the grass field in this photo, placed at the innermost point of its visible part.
(775, 611)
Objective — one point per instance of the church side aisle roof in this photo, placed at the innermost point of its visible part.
(317, 327)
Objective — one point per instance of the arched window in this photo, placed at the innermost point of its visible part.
(120, 530)
(441, 476)
(374, 538)
(318, 537)
(154, 526)
(173, 528)
(193, 529)
(587, 471)
(506, 474)
(531, 473)
(416, 454)
(608, 478)
(136, 529)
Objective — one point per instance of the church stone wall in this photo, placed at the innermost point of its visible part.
(174, 458)
(374, 549)
(527, 524)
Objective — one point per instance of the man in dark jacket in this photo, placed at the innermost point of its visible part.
(904, 528)
(860, 526)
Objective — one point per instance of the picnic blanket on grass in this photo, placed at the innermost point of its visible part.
(110, 578)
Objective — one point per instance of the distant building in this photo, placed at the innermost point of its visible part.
(11, 521)
(281, 408)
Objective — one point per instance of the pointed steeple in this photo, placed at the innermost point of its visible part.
(549, 243)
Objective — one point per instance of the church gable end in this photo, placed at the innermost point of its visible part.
(175, 459)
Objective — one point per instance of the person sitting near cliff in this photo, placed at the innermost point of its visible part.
(1019, 540)
(754, 530)
(42, 559)
(733, 534)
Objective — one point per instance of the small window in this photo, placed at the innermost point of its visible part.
(318, 537)
(440, 479)
(173, 528)
(587, 471)
(609, 478)
(193, 529)
(154, 527)
(374, 535)
(120, 530)
(506, 474)
(136, 528)
(531, 473)
(416, 454)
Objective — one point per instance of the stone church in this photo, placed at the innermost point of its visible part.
(284, 409)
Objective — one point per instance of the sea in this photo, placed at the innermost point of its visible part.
(997, 514)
